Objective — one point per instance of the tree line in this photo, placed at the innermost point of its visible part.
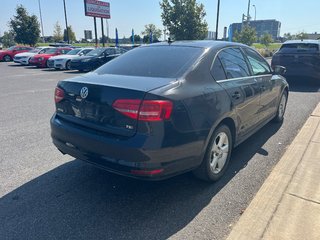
(182, 20)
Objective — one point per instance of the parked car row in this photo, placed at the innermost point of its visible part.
(67, 57)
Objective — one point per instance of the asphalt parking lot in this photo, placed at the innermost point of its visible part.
(45, 195)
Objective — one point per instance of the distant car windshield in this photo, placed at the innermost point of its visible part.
(11, 48)
(154, 61)
(96, 52)
(299, 47)
(36, 50)
(51, 50)
(74, 52)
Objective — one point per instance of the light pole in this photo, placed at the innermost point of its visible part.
(255, 12)
(65, 17)
(217, 22)
(248, 13)
(41, 21)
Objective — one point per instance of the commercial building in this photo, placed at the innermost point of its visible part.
(270, 26)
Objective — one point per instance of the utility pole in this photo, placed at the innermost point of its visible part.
(41, 21)
(217, 22)
(248, 13)
(255, 12)
(65, 17)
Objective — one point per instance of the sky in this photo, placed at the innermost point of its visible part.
(295, 15)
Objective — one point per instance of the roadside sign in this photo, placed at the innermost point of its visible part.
(87, 34)
(95, 8)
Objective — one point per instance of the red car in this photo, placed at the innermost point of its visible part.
(40, 60)
(7, 55)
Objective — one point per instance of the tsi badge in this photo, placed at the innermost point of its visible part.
(84, 92)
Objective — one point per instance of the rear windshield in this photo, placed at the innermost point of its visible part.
(74, 52)
(299, 47)
(96, 52)
(154, 61)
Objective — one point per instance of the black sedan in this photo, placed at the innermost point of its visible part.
(95, 58)
(301, 58)
(168, 108)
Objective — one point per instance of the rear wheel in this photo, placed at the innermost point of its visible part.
(281, 107)
(217, 155)
(7, 58)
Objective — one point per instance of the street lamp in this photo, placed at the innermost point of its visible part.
(41, 21)
(217, 22)
(255, 12)
(65, 17)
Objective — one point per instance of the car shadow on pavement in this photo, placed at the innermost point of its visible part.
(75, 72)
(79, 201)
(15, 65)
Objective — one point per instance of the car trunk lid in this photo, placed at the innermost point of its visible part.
(88, 100)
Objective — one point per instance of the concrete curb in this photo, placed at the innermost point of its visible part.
(264, 215)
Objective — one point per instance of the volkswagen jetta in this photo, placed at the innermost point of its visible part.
(168, 108)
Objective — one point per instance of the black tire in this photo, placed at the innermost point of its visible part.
(47, 64)
(281, 107)
(207, 170)
(7, 58)
(68, 65)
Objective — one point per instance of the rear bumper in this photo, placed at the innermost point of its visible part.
(124, 156)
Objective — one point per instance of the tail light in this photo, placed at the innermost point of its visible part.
(58, 94)
(146, 110)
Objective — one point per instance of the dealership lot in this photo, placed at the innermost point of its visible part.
(45, 195)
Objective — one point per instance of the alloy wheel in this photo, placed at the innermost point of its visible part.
(219, 152)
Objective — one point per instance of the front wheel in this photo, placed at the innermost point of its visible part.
(281, 107)
(68, 65)
(217, 155)
(7, 58)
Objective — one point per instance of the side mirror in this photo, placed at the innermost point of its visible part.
(81, 54)
(279, 70)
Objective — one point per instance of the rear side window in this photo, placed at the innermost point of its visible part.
(258, 64)
(299, 47)
(153, 61)
(234, 63)
(217, 71)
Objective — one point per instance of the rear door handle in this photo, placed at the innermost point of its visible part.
(236, 95)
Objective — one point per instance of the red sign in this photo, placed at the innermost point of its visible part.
(95, 8)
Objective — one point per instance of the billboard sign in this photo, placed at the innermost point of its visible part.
(87, 34)
(95, 8)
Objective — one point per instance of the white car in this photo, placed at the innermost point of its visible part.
(63, 61)
(23, 58)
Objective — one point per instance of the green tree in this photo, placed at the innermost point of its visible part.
(156, 32)
(302, 35)
(26, 28)
(266, 39)
(7, 39)
(184, 19)
(57, 32)
(137, 38)
(288, 36)
(72, 35)
(248, 35)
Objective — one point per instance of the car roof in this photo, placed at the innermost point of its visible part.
(302, 41)
(199, 43)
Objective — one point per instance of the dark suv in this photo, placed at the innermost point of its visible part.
(300, 58)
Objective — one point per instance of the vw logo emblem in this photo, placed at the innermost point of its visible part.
(84, 92)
